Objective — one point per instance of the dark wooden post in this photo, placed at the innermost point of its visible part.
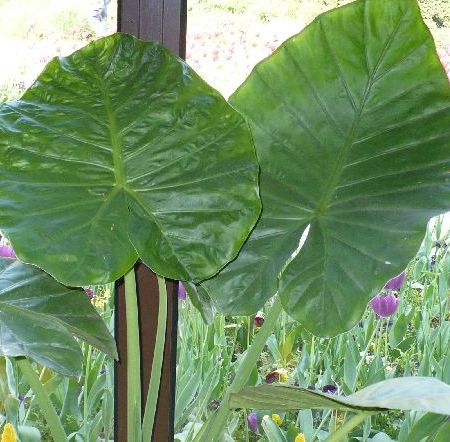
(164, 21)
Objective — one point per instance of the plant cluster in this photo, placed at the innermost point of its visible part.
(311, 187)
(411, 341)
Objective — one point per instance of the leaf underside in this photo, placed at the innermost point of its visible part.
(39, 317)
(351, 123)
(120, 150)
(408, 393)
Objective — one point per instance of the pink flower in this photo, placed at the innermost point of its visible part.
(252, 420)
(395, 283)
(7, 252)
(89, 292)
(181, 291)
(386, 303)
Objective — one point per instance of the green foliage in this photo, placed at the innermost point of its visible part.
(317, 362)
(38, 315)
(352, 143)
(79, 401)
(423, 394)
(153, 163)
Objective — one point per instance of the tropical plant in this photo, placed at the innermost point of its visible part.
(120, 151)
(133, 155)
(353, 148)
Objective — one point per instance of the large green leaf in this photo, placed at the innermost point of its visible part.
(38, 317)
(118, 151)
(408, 393)
(351, 122)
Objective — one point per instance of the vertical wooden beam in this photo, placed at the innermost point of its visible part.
(164, 21)
(160, 20)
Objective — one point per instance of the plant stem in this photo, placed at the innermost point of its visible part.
(85, 393)
(311, 361)
(386, 343)
(379, 337)
(325, 415)
(158, 356)
(363, 359)
(49, 412)
(214, 428)
(343, 431)
(133, 360)
(27, 415)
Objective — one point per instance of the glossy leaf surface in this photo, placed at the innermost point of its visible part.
(120, 150)
(39, 316)
(351, 122)
(408, 393)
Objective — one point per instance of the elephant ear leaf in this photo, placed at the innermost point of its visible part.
(408, 393)
(351, 122)
(121, 151)
(39, 315)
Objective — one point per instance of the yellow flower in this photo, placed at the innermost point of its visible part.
(372, 346)
(284, 375)
(9, 434)
(101, 298)
(277, 419)
(300, 438)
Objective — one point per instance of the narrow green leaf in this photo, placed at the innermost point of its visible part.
(443, 433)
(350, 364)
(272, 431)
(425, 426)
(29, 434)
(398, 331)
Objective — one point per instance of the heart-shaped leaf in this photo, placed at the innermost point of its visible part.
(120, 150)
(38, 317)
(351, 122)
(408, 393)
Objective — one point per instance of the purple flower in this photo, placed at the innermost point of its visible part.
(384, 305)
(21, 397)
(330, 389)
(89, 292)
(395, 283)
(252, 420)
(7, 252)
(181, 291)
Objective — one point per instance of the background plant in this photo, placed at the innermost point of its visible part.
(350, 361)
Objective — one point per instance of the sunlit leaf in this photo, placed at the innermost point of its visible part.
(408, 393)
(351, 122)
(120, 150)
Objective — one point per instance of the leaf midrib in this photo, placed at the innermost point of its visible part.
(349, 141)
(114, 134)
(116, 144)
